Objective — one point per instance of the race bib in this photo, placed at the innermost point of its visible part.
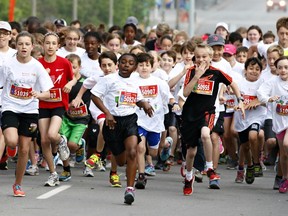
(127, 98)
(55, 95)
(149, 91)
(282, 106)
(248, 99)
(20, 92)
(204, 87)
(78, 112)
(230, 103)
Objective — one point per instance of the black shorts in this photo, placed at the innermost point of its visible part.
(191, 130)
(268, 132)
(219, 126)
(126, 126)
(244, 135)
(170, 118)
(25, 123)
(49, 113)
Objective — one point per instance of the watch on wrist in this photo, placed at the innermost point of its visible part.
(240, 99)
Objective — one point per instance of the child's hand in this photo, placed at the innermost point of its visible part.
(200, 70)
(110, 121)
(240, 108)
(76, 102)
(222, 99)
(253, 104)
(274, 98)
(148, 109)
(67, 88)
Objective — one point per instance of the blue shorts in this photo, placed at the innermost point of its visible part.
(153, 139)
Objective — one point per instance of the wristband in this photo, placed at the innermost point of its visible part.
(174, 104)
(240, 99)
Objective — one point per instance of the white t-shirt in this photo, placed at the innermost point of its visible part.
(248, 92)
(173, 73)
(160, 73)
(248, 44)
(90, 67)
(239, 68)
(4, 56)
(262, 48)
(18, 80)
(121, 94)
(126, 46)
(276, 87)
(156, 92)
(63, 52)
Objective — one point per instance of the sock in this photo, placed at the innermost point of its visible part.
(209, 165)
(141, 175)
(113, 172)
(67, 169)
(54, 154)
(189, 175)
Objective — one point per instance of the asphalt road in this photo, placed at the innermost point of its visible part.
(162, 196)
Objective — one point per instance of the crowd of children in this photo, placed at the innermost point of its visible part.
(82, 95)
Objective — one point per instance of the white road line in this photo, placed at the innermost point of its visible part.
(53, 192)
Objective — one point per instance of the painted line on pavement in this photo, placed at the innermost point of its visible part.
(53, 192)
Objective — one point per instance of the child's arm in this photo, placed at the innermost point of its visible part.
(176, 79)
(67, 88)
(41, 95)
(78, 99)
(222, 99)
(236, 91)
(148, 109)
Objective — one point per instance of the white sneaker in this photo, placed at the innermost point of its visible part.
(88, 172)
(101, 166)
(72, 161)
(53, 180)
(63, 149)
(32, 170)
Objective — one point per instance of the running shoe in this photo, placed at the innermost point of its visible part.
(159, 165)
(221, 147)
(240, 176)
(115, 180)
(141, 182)
(65, 176)
(258, 172)
(283, 186)
(277, 182)
(80, 153)
(87, 172)
(53, 180)
(92, 161)
(150, 170)
(56, 160)
(188, 187)
(232, 164)
(170, 161)
(164, 155)
(183, 169)
(214, 184)
(11, 152)
(129, 195)
(249, 178)
(4, 165)
(212, 175)
(166, 167)
(101, 166)
(64, 151)
(17, 190)
(198, 176)
(72, 160)
(32, 170)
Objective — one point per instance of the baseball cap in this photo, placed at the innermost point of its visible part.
(223, 24)
(230, 49)
(132, 20)
(60, 22)
(5, 25)
(215, 39)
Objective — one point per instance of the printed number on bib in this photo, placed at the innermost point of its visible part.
(127, 98)
(248, 99)
(55, 95)
(204, 87)
(149, 91)
(20, 92)
(80, 111)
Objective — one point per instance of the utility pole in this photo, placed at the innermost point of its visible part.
(191, 18)
(75, 6)
(34, 8)
(177, 14)
(111, 12)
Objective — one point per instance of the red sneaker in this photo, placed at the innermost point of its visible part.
(188, 187)
(11, 152)
(212, 174)
(17, 190)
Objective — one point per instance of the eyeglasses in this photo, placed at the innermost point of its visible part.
(72, 39)
(4, 33)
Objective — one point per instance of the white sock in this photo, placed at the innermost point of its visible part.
(209, 165)
(189, 175)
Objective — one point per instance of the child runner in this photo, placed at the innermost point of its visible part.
(24, 81)
(120, 129)
(275, 91)
(201, 85)
(52, 110)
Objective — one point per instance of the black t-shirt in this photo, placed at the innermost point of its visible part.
(202, 98)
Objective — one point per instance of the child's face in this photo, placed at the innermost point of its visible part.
(166, 44)
(144, 69)
(228, 57)
(129, 33)
(136, 51)
(271, 58)
(283, 36)
(5, 38)
(187, 56)
(253, 72)
(50, 45)
(91, 45)
(218, 52)
(221, 31)
(24, 46)
(268, 40)
(202, 56)
(253, 36)
(166, 63)
(114, 45)
(241, 57)
(179, 57)
(127, 65)
(282, 69)
(75, 67)
(108, 66)
(72, 40)
(179, 39)
(37, 55)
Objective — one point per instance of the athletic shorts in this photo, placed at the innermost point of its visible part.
(219, 126)
(191, 130)
(26, 124)
(152, 138)
(125, 127)
(244, 135)
(281, 135)
(73, 132)
(92, 135)
(268, 132)
(170, 118)
(49, 113)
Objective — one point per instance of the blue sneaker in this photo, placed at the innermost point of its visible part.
(28, 164)
(80, 153)
(165, 153)
(214, 184)
(150, 170)
(65, 176)
(56, 159)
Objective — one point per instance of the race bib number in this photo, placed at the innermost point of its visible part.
(20, 92)
(204, 87)
(248, 99)
(78, 112)
(127, 98)
(149, 91)
(55, 95)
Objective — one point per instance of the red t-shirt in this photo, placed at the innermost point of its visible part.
(61, 73)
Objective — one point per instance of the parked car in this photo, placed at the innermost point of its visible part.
(276, 4)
